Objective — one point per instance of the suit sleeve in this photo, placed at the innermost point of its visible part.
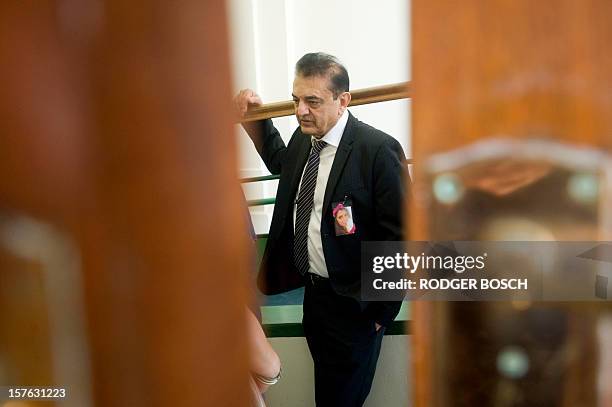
(391, 181)
(268, 142)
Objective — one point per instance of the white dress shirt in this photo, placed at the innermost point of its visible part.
(316, 258)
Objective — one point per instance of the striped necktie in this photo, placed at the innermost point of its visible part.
(304, 208)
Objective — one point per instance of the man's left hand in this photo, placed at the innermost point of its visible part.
(377, 325)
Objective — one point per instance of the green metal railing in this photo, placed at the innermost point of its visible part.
(263, 201)
(270, 177)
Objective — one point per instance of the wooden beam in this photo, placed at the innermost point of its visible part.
(359, 97)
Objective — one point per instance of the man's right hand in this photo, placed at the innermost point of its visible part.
(245, 99)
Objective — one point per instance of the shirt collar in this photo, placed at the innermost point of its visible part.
(334, 135)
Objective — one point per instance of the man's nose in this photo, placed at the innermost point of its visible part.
(302, 109)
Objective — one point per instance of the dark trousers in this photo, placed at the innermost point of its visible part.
(344, 345)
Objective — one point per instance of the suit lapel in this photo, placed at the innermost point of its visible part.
(342, 154)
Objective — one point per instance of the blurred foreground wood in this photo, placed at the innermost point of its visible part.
(113, 133)
(522, 70)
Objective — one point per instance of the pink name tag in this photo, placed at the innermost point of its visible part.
(343, 218)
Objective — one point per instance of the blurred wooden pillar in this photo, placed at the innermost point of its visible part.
(173, 230)
(116, 128)
(489, 68)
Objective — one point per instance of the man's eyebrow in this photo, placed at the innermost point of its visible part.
(309, 98)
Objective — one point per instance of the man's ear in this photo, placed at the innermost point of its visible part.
(345, 99)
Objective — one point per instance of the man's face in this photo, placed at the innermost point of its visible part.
(315, 107)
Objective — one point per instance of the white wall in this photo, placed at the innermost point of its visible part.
(269, 36)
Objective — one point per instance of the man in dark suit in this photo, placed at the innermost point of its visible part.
(332, 162)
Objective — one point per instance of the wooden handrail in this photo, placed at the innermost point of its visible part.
(359, 97)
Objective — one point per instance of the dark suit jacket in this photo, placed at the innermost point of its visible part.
(369, 170)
